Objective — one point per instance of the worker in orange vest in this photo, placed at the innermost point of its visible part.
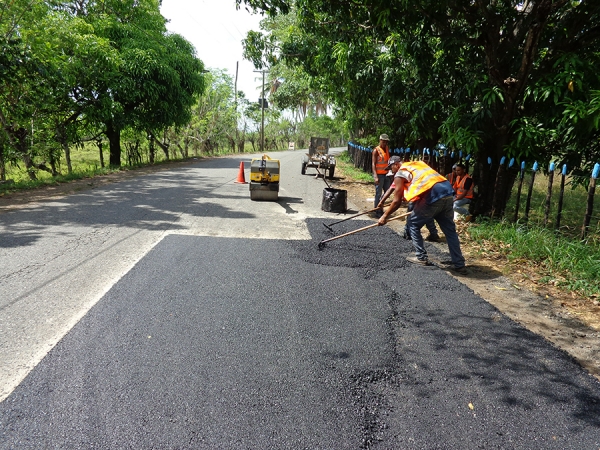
(463, 186)
(430, 225)
(415, 179)
(379, 163)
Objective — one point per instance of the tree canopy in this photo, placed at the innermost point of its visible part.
(74, 67)
(491, 78)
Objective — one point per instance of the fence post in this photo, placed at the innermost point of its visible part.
(549, 193)
(528, 203)
(590, 202)
(560, 196)
(522, 176)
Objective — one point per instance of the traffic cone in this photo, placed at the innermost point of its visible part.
(241, 178)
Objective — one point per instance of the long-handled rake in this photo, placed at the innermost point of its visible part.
(322, 243)
(351, 217)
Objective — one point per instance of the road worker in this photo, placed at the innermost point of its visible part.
(451, 177)
(379, 163)
(394, 165)
(463, 186)
(432, 196)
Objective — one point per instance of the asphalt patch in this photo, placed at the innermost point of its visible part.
(247, 343)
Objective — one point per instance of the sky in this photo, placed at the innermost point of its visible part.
(215, 28)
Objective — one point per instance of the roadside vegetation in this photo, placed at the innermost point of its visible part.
(548, 257)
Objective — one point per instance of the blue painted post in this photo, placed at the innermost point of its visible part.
(528, 203)
(549, 193)
(521, 176)
(590, 202)
(560, 197)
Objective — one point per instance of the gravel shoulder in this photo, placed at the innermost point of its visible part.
(570, 322)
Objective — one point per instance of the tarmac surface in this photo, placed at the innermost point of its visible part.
(228, 343)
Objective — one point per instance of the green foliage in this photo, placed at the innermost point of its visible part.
(74, 68)
(493, 79)
(572, 264)
(346, 165)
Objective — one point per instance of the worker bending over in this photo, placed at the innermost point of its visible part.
(432, 195)
(394, 165)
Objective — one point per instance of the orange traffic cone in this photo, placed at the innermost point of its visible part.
(241, 178)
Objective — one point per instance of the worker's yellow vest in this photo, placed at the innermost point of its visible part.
(423, 178)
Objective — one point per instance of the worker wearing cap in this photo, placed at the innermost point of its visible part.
(451, 177)
(435, 198)
(394, 164)
(379, 163)
(463, 186)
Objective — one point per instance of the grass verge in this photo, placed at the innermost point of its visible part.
(557, 260)
(347, 166)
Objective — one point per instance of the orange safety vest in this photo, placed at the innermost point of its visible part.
(459, 187)
(423, 178)
(382, 160)
(451, 176)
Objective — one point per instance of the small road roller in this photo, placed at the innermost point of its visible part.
(264, 179)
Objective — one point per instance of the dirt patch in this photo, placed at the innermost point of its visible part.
(569, 321)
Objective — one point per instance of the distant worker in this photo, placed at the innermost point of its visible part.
(451, 177)
(463, 186)
(394, 164)
(379, 163)
(435, 198)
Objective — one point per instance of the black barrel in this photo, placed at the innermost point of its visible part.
(334, 200)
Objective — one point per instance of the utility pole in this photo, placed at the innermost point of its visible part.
(262, 111)
(237, 63)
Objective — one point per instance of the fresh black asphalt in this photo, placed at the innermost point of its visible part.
(233, 343)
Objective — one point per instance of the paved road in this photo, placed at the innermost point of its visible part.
(172, 312)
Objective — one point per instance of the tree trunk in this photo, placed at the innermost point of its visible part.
(67, 150)
(114, 140)
(99, 144)
(151, 149)
(164, 146)
(2, 162)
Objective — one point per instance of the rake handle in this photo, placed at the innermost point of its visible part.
(401, 216)
(355, 215)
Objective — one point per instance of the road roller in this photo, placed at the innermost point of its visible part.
(264, 179)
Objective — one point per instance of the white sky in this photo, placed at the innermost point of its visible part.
(216, 29)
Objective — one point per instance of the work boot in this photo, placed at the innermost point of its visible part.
(433, 238)
(420, 262)
(406, 235)
(458, 270)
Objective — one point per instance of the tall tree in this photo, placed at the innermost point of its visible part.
(156, 76)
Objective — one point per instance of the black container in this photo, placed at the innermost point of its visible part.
(334, 200)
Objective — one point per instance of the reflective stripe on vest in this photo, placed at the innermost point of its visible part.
(423, 178)
(382, 161)
(460, 187)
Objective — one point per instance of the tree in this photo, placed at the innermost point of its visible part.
(475, 75)
(156, 76)
(24, 79)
